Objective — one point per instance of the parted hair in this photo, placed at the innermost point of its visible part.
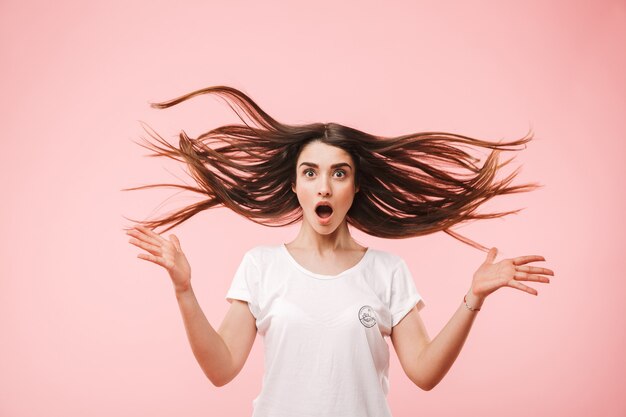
(409, 185)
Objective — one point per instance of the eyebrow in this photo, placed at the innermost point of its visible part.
(341, 164)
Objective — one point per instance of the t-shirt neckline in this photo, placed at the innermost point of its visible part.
(323, 276)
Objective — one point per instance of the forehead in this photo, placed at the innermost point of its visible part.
(322, 153)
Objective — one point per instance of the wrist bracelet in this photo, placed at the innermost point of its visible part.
(468, 307)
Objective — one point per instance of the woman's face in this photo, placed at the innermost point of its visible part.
(324, 173)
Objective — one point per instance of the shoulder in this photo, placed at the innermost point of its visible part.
(262, 254)
(384, 259)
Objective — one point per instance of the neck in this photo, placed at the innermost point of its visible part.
(311, 240)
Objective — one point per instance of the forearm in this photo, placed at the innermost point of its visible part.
(438, 356)
(207, 345)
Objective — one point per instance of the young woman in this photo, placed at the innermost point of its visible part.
(324, 303)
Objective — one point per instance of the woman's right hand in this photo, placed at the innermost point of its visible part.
(166, 253)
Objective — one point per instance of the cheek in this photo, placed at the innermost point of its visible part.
(304, 194)
(346, 195)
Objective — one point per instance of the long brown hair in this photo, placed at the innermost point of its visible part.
(408, 184)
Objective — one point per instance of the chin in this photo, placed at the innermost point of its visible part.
(325, 230)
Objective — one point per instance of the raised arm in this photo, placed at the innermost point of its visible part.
(426, 362)
(221, 355)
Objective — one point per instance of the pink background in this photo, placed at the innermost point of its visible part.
(89, 329)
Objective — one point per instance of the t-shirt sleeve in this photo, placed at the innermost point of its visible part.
(404, 295)
(245, 284)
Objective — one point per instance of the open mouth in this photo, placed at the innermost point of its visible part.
(324, 211)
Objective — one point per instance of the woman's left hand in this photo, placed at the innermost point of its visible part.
(507, 273)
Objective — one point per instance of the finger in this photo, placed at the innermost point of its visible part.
(522, 287)
(143, 237)
(154, 259)
(176, 242)
(150, 233)
(491, 255)
(159, 260)
(523, 276)
(155, 250)
(535, 270)
(520, 260)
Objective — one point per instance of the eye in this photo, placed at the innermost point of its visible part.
(343, 173)
(308, 171)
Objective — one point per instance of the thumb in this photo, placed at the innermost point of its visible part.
(176, 242)
(491, 255)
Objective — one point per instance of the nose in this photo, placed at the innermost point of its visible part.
(324, 186)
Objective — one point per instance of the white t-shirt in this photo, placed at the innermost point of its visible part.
(325, 352)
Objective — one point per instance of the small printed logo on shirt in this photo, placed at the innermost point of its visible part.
(367, 316)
